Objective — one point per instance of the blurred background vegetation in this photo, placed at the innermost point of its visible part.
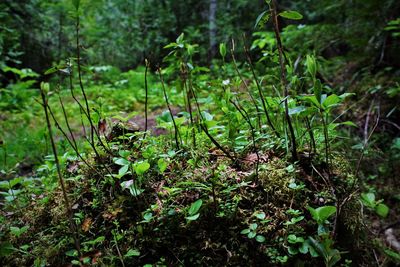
(37, 33)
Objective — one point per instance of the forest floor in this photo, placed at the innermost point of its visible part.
(149, 201)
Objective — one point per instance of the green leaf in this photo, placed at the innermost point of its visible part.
(45, 87)
(15, 181)
(251, 234)
(292, 239)
(311, 66)
(262, 19)
(245, 231)
(334, 257)
(193, 218)
(18, 231)
(22, 73)
(260, 238)
(346, 95)
(297, 219)
(130, 184)
(313, 100)
(6, 249)
(253, 226)
(141, 167)
(260, 215)
(195, 207)
(132, 253)
(321, 214)
(124, 153)
(76, 4)
(179, 40)
(368, 199)
(222, 49)
(293, 250)
(51, 70)
(291, 15)
(148, 216)
(100, 239)
(393, 254)
(325, 212)
(318, 91)
(331, 101)
(174, 45)
(296, 110)
(303, 249)
(72, 253)
(382, 210)
(318, 247)
(207, 116)
(162, 165)
(349, 123)
(123, 170)
(121, 161)
(135, 191)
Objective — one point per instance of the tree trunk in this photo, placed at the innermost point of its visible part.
(212, 28)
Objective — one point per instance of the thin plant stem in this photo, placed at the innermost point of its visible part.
(265, 104)
(283, 79)
(245, 85)
(146, 98)
(313, 146)
(188, 93)
(66, 117)
(366, 141)
(169, 109)
(93, 129)
(78, 60)
(73, 227)
(74, 146)
(326, 140)
(246, 117)
(84, 112)
(119, 252)
(205, 130)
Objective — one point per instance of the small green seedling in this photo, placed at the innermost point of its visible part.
(16, 231)
(321, 215)
(251, 231)
(368, 199)
(193, 212)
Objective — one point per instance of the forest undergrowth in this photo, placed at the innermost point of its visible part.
(258, 160)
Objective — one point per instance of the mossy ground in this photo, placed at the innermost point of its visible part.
(153, 227)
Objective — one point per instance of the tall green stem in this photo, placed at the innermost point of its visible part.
(274, 16)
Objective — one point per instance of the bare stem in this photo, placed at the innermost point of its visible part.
(205, 130)
(264, 103)
(245, 84)
(169, 109)
(146, 99)
(73, 226)
(283, 78)
(313, 147)
(93, 129)
(188, 93)
(246, 117)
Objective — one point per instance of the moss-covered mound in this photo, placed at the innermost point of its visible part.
(150, 204)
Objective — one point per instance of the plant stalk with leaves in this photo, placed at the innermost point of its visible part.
(74, 229)
(284, 82)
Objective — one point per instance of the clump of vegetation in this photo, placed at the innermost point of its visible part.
(256, 158)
